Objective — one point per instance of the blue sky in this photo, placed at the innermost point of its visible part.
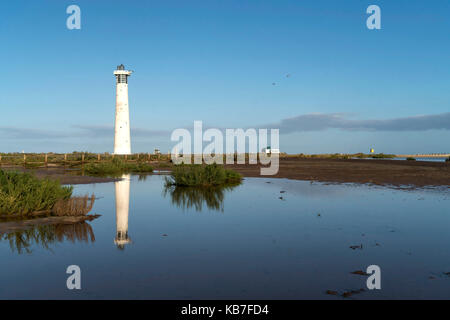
(217, 61)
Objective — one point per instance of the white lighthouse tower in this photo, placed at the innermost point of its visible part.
(122, 141)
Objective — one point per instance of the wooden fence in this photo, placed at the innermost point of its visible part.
(75, 158)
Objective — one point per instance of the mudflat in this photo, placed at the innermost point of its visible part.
(370, 171)
(367, 171)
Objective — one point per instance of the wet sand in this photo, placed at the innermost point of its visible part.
(379, 172)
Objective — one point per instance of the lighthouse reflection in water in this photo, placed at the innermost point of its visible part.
(122, 208)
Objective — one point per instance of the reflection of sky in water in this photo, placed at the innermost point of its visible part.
(259, 246)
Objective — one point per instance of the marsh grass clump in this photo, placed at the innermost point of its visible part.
(140, 167)
(117, 167)
(411, 159)
(24, 194)
(447, 160)
(202, 176)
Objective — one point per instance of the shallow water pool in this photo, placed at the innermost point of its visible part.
(264, 239)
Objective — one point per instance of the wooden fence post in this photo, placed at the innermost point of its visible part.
(98, 157)
(126, 157)
(46, 160)
(65, 157)
(24, 158)
(82, 157)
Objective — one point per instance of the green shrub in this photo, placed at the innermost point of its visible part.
(116, 167)
(382, 156)
(23, 193)
(140, 168)
(199, 175)
(411, 159)
(447, 160)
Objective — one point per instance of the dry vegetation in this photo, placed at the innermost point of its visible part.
(75, 206)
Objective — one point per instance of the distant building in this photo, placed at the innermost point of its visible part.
(157, 151)
(372, 150)
(269, 150)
